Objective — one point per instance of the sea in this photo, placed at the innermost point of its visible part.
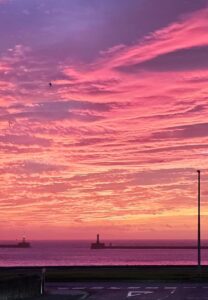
(78, 253)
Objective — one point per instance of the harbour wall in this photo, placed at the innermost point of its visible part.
(20, 287)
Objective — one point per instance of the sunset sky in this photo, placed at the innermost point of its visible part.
(113, 146)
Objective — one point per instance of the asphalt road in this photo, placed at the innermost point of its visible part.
(130, 290)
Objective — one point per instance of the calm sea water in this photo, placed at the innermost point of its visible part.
(70, 253)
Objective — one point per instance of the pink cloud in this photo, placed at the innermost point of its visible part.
(106, 144)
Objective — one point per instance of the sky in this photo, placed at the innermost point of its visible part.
(113, 146)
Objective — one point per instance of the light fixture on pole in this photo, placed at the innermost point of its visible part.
(199, 218)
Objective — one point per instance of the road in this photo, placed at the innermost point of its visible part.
(130, 290)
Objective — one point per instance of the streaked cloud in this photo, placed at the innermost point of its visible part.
(114, 143)
(180, 60)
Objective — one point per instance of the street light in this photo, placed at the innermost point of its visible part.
(199, 220)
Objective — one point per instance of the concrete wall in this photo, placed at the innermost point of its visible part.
(20, 287)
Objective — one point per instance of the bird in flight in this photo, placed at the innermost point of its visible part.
(11, 122)
(50, 84)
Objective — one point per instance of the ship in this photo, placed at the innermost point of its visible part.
(101, 245)
(22, 244)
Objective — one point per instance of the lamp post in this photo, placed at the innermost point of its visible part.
(199, 219)
(42, 286)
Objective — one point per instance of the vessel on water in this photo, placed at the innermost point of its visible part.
(22, 244)
(99, 245)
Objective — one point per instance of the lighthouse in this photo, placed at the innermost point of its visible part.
(98, 244)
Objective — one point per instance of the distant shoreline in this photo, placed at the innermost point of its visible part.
(149, 247)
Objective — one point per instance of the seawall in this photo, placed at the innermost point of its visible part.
(19, 286)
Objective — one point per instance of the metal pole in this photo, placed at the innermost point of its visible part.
(199, 219)
(42, 287)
